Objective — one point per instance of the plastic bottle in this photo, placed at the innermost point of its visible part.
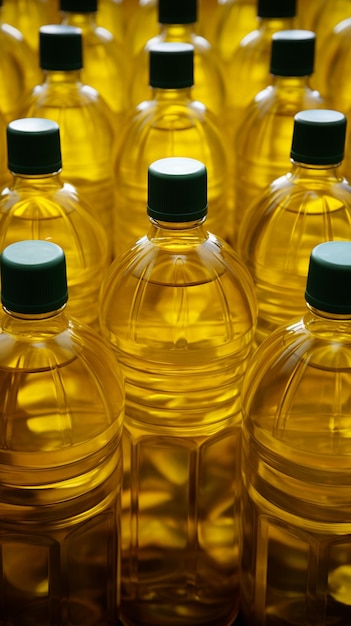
(142, 25)
(334, 74)
(61, 413)
(177, 19)
(263, 141)
(308, 12)
(37, 204)
(111, 15)
(296, 459)
(247, 72)
(19, 70)
(179, 311)
(87, 137)
(170, 124)
(105, 63)
(310, 204)
(331, 13)
(237, 19)
(28, 15)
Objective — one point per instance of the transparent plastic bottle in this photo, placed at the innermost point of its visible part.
(334, 74)
(62, 405)
(308, 205)
(179, 310)
(170, 124)
(105, 63)
(308, 12)
(142, 25)
(111, 15)
(177, 19)
(296, 459)
(37, 204)
(263, 141)
(247, 72)
(19, 70)
(86, 129)
(237, 19)
(28, 16)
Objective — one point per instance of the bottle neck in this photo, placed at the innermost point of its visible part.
(171, 95)
(290, 82)
(41, 183)
(275, 24)
(35, 325)
(84, 21)
(173, 234)
(319, 173)
(56, 77)
(177, 32)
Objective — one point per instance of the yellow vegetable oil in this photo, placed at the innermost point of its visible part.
(237, 19)
(86, 129)
(179, 310)
(308, 12)
(19, 70)
(141, 24)
(247, 72)
(296, 459)
(334, 73)
(61, 408)
(111, 15)
(28, 16)
(177, 19)
(263, 141)
(37, 204)
(308, 205)
(170, 124)
(105, 64)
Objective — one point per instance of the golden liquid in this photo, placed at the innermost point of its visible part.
(171, 125)
(87, 138)
(209, 85)
(45, 208)
(336, 58)
(263, 141)
(296, 468)
(296, 213)
(142, 25)
(61, 406)
(104, 63)
(181, 322)
(19, 72)
(237, 18)
(29, 15)
(111, 15)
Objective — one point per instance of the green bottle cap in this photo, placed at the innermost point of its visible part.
(292, 53)
(60, 48)
(33, 277)
(328, 285)
(177, 190)
(318, 137)
(177, 11)
(171, 65)
(276, 8)
(33, 146)
(79, 6)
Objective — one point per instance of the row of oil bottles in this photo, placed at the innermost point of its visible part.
(211, 505)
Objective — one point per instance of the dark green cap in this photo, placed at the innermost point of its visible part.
(171, 65)
(292, 53)
(318, 137)
(60, 48)
(177, 190)
(276, 8)
(33, 146)
(79, 6)
(177, 11)
(328, 285)
(33, 277)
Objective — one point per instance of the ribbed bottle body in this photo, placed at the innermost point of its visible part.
(263, 141)
(180, 316)
(158, 129)
(297, 212)
(61, 474)
(45, 208)
(296, 472)
(87, 138)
